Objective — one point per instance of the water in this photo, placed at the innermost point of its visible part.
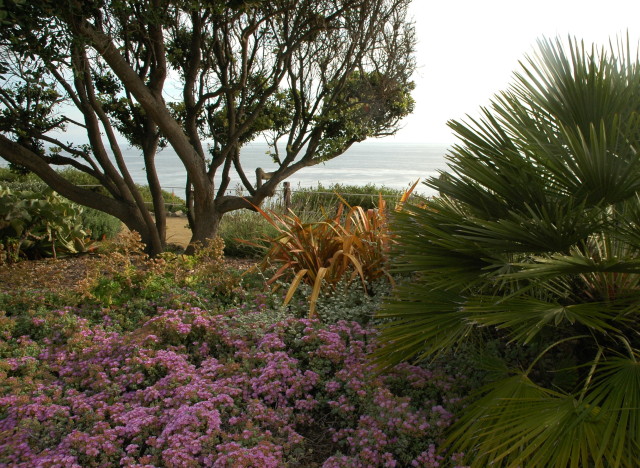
(393, 165)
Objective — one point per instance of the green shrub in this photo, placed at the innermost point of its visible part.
(36, 225)
(325, 197)
(16, 181)
(172, 202)
(348, 301)
(8, 175)
(125, 273)
(99, 224)
(77, 177)
(242, 225)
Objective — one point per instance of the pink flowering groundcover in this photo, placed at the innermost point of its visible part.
(194, 388)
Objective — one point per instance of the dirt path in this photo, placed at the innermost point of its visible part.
(178, 231)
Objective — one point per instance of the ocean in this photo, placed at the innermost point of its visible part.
(389, 164)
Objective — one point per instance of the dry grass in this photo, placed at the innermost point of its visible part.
(50, 274)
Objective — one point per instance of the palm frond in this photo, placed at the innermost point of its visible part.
(523, 317)
(424, 323)
(518, 423)
(616, 390)
(535, 238)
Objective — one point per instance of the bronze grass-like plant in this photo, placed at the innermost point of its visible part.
(352, 244)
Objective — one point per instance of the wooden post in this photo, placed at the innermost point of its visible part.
(259, 177)
(286, 196)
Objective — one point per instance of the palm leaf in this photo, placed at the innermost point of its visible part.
(525, 317)
(518, 423)
(424, 323)
(536, 234)
(616, 389)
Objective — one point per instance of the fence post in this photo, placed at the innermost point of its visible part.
(286, 196)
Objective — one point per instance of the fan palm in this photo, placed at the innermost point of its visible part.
(535, 240)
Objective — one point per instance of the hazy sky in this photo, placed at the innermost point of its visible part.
(468, 49)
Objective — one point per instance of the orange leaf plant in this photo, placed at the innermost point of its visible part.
(350, 245)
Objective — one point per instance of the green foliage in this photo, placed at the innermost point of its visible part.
(239, 226)
(18, 302)
(36, 99)
(327, 198)
(349, 301)
(365, 105)
(7, 175)
(97, 224)
(535, 241)
(77, 177)
(33, 226)
(16, 180)
(125, 273)
(173, 202)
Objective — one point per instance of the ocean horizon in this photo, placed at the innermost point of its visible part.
(389, 164)
(393, 165)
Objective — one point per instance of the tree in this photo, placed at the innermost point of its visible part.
(533, 247)
(316, 75)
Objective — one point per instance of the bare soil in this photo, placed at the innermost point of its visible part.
(178, 231)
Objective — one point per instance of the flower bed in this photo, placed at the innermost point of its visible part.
(192, 388)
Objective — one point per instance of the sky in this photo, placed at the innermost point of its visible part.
(468, 50)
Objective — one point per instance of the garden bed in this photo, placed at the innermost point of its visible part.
(175, 374)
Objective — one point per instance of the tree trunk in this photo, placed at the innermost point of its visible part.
(188, 196)
(135, 222)
(126, 211)
(159, 209)
(207, 221)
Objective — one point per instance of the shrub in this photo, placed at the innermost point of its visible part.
(33, 226)
(98, 224)
(349, 301)
(77, 177)
(125, 273)
(327, 199)
(535, 242)
(21, 182)
(192, 388)
(7, 175)
(173, 202)
(238, 226)
(349, 245)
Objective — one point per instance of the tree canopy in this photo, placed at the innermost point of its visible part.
(205, 78)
